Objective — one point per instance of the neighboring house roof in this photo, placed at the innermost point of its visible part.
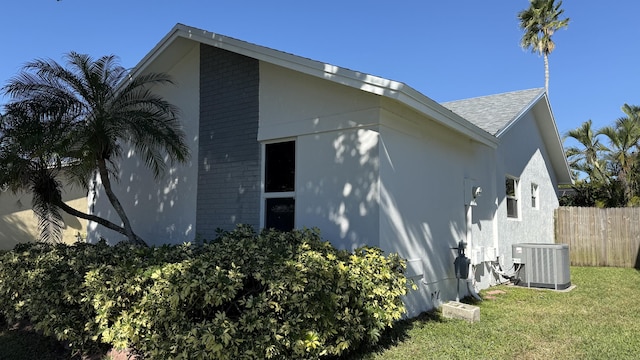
(179, 38)
(496, 114)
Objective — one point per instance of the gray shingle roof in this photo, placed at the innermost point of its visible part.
(493, 113)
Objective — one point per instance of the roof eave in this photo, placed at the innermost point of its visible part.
(550, 129)
(365, 82)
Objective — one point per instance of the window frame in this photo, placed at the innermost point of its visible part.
(264, 195)
(515, 198)
(535, 196)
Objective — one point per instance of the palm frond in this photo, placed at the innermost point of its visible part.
(50, 222)
(46, 194)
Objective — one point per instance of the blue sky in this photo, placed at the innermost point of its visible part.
(448, 50)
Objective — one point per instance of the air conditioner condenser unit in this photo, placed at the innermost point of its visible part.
(542, 265)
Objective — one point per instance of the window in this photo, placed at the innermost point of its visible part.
(279, 185)
(534, 196)
(512, 185)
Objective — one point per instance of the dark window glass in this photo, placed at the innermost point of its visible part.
(280, 166)
(512, 197)
(280, 213)
(512, 208)
(511, 187)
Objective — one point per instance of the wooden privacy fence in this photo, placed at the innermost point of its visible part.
(600, 237)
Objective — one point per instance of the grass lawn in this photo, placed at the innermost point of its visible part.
(599, 319)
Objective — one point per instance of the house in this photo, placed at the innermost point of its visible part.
(283, 141)
(19, 224)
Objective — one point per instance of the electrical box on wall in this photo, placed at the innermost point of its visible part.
(542, 265)
(490, 253)
(477, 255)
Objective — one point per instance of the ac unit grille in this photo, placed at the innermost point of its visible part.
(542, 265)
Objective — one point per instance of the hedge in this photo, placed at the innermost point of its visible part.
(241, 296)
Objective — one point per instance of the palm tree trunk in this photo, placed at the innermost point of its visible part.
(106, 223)
(106, 184)
(546, 73)
(626, 186)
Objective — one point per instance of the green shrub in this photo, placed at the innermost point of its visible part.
(44, 284)
(243, 295)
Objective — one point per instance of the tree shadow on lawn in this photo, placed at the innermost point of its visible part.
(391, 337)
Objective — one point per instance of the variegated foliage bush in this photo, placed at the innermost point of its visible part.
(241, 296)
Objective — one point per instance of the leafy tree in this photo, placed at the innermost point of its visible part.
(539, 22)
(93, 107)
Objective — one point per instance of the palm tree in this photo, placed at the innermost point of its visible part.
(623, 144)
(101, 107)
(24, 166)
(586, 158)
(539, 22)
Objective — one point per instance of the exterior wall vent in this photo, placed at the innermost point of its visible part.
(542, 265)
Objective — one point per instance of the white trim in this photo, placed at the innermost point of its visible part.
(517, 197)
(535, 196)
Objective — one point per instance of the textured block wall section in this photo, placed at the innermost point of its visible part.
(229, 153)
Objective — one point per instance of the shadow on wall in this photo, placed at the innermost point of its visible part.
(15, 226)
(403, 208)
(18, 223)
(157, 208)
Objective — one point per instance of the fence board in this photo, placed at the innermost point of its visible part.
(600, 237)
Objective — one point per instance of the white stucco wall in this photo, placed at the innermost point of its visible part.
(521, 154)
(294, 104)
(337, 150)
(369, 171)
(162, 210)
(337, 188)
(422, 200)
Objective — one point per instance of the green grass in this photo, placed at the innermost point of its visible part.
(599, 319)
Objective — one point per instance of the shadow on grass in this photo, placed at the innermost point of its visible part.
(391, 337)
(22, 342)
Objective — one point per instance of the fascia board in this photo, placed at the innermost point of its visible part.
(551, 133)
